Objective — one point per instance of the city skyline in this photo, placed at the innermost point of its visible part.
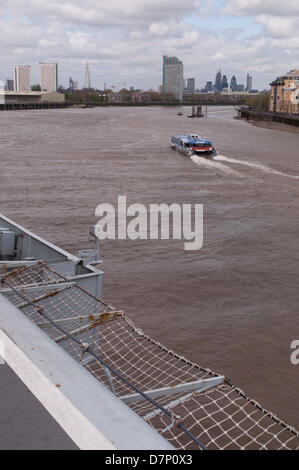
(234, 35)
(52, 70)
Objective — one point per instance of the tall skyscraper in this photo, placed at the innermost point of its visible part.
(190, 85)
(173, 76)
(48, 76)
(249, 82)
(233, 83)
(209, 86)
(224, 82)
(21, 76)
(218, 81)
(87, 83)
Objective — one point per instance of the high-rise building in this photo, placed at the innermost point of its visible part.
(218, 81)
(173, 77)
(21, 75)
(233, 83)
(249, 82)
(87, 83)
(224, 82)
(190, 85)
(48, 77)
(209, 86)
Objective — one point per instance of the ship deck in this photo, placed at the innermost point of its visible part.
(25, 423)
(79, 374)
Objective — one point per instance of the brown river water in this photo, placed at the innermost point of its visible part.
(231, 306)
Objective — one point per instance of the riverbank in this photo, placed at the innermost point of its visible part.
(256, 115)
(278, 126)
(271, 125)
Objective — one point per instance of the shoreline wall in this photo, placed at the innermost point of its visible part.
(256, 115)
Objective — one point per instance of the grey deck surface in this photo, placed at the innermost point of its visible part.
(24, 422)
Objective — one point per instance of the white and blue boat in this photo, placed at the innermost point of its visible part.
(193, 144)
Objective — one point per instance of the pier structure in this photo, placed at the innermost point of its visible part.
(11, 100)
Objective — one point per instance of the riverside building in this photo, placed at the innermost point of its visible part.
(284, 96)
(173, 77)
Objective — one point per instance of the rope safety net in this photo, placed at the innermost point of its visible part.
(190, 406)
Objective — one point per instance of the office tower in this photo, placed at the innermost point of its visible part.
(173, 77)
(218, 81)
(209, 86)
(224, 82)
(233, 83)
(48, 77)
(249, 82)
(190, 85)
(21, 75)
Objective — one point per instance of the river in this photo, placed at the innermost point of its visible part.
(231, 306)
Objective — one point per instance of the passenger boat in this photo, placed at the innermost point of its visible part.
(192, 144)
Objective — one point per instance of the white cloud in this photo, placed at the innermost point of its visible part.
(125, 40)
(260, 7)
(279, 27)
(105, 14)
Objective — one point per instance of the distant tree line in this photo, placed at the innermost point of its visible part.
(213, 99)
(128, 97)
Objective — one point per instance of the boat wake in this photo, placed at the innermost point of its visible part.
(256, 165)
(204, 162)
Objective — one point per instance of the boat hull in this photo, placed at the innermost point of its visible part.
(190, 153)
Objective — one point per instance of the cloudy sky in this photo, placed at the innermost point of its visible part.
(124, 40)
